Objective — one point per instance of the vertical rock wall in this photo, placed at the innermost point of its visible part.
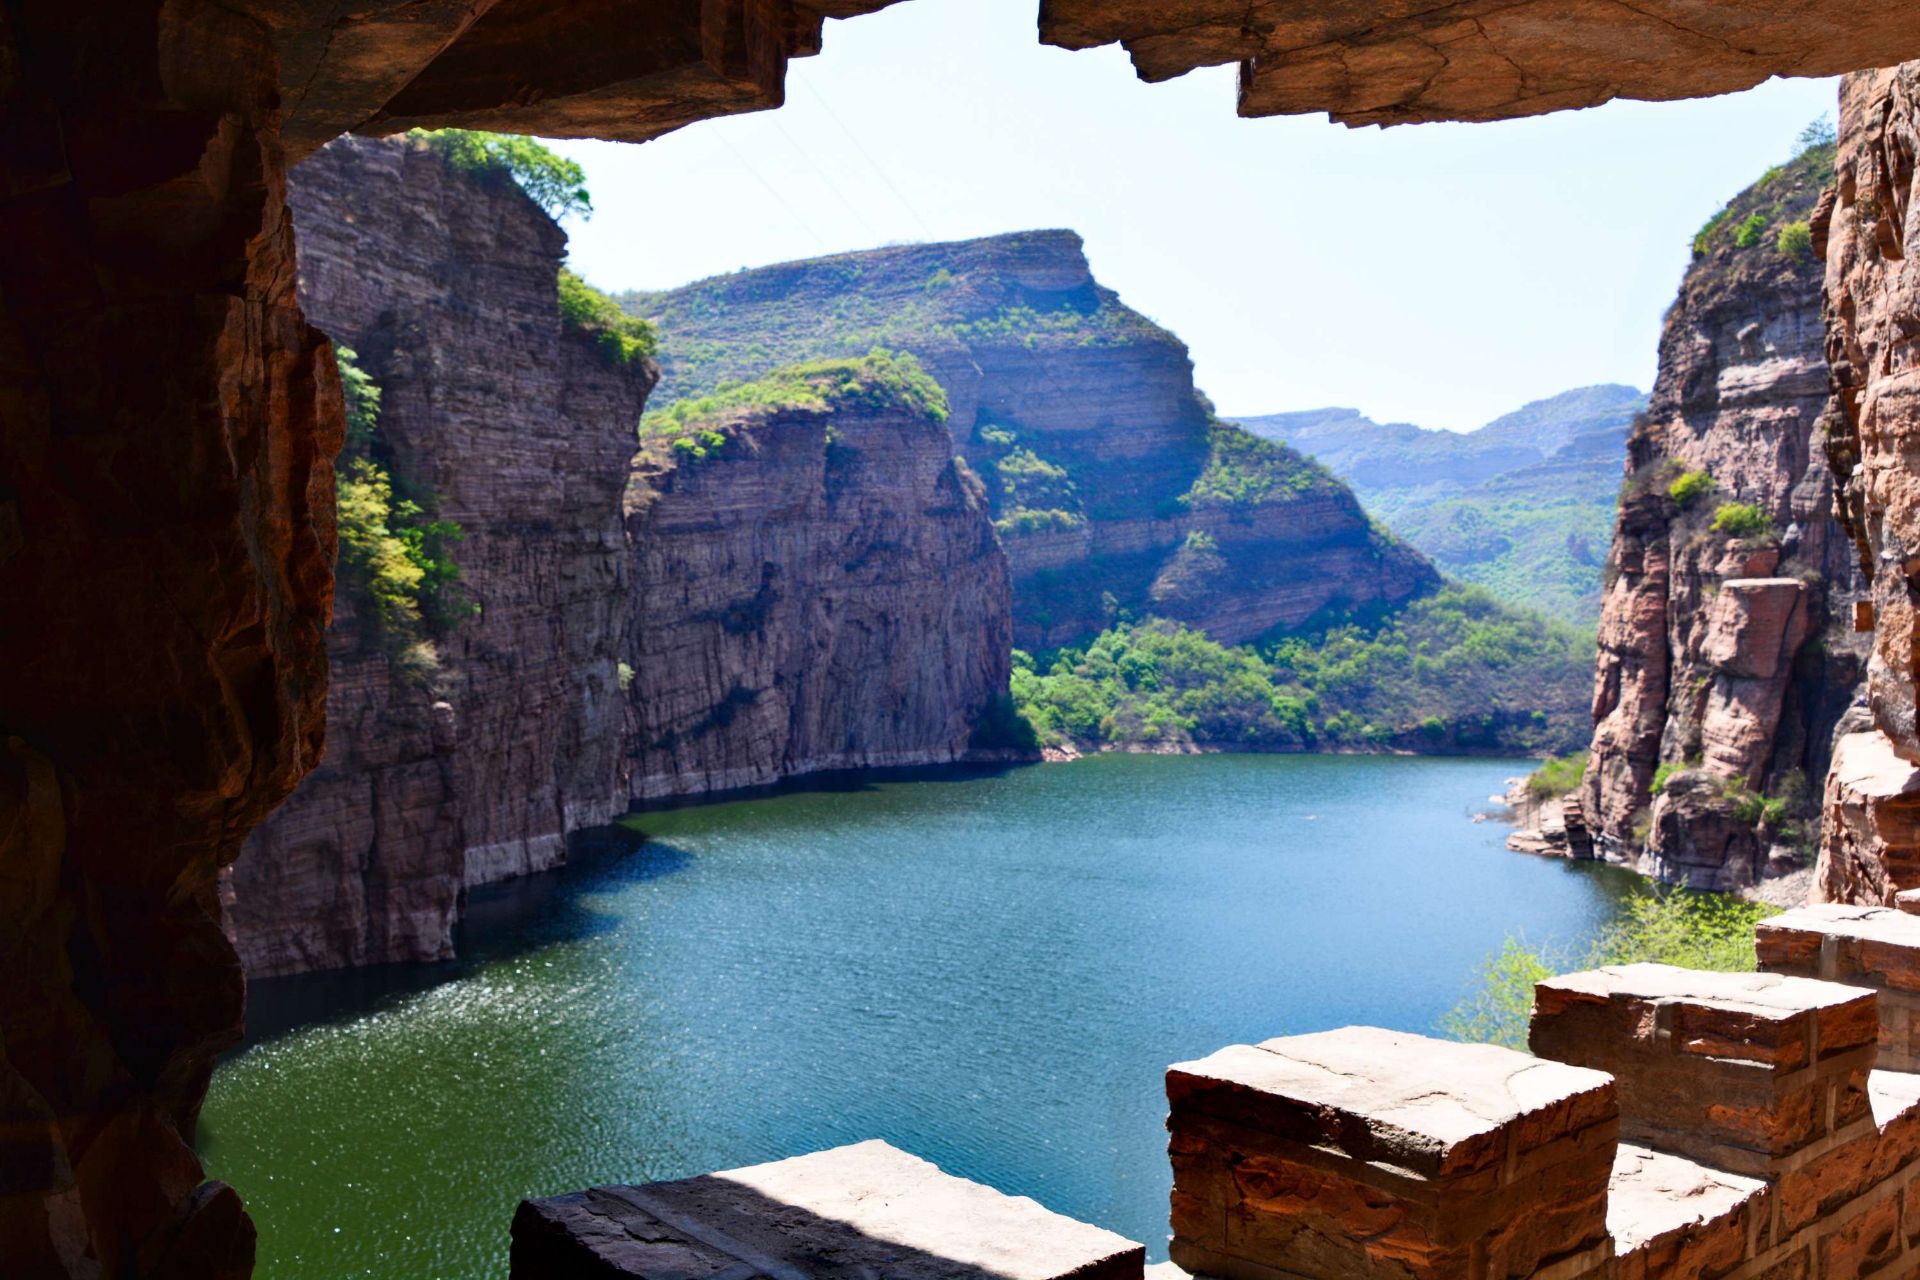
(1706, 672)
(444, 285)
(1871, 845)
(824, 592)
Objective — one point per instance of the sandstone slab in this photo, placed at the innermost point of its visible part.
(862, 1210)
(1362, 1151)
(1750, 1073)
(1861, 946)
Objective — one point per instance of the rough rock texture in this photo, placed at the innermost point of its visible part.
(1704, 665)
(1871, 847)
(1364, 1152)
(166, 542)
(522, 430)
(1082, 417)
(824, 592)
(863, 1210)
(1410, 60)
(1876, 947)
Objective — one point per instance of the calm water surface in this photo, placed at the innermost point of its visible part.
(992, 972)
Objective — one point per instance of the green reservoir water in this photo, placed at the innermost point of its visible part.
(990, 971)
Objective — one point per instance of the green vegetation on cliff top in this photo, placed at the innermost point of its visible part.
(879, 379)
(552, 181)
(1455, 671)
(624, 339)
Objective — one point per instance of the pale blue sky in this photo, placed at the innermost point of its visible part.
(1439, 274)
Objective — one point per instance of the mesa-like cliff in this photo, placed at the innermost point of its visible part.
(816, 586)
(518, 429)
(1113, 486)
(1727, 649)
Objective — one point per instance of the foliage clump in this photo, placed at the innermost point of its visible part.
(396, 558)
(1677, 927)
(555, 183)
(1750, 231)
(1689, 487)
(1795, 241)
(1557, 776)
(625, 339)
(1741, 520)
(880, 379)
(1456, 668)
(1783, 198)
(1243, 469)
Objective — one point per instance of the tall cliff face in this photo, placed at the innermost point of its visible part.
(1102, 462)
(1871, 843)
(521, 430)
(818, 588)
(1727, 653)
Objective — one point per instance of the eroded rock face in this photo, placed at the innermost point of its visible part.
(1704, 665)
(166, 543)
(522, 430)
(824, 592)
(1411, 60)
(1872, 848)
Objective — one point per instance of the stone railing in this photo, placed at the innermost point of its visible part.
(1672, 1125)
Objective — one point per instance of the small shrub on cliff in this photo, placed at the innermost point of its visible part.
(1689, 488)
(372, 556)
(552, 181)
(623, 338)
(1796, 242)
(1692, 930)
(878, 379)
(1741, 520)
(1557, 776)
(1750, 231)
(362, 396)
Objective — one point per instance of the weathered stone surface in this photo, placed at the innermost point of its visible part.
(1860, 946)
(1671, 1217)
(867, 1210)
(1703, 660)
(1404, 61)
(166, 541)
(1740, 1071)
(1369, 1152)
(521, 431)
(1870, 842)
(824, 592)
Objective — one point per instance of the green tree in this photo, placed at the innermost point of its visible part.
(555, 183)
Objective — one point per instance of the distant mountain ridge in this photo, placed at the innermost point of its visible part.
(1523, 506)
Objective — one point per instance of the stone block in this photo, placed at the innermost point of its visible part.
(1752, 1073)
(1364, 1152)
(862, 1210)
(1877, 947)
(1670, 1217)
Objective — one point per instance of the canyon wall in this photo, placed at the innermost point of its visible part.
(521, 430)
(821, 590)
(1727, 651)
(1111, 482)
(1871, 844)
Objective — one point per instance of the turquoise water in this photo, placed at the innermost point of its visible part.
(990, 971)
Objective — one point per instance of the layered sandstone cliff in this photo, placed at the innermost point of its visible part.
(816, 587)
(1727, 651)
(1112, 485)
(520, 430)
(1871, 845)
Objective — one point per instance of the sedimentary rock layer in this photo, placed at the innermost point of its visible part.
(520, 431)
(1113, 487)
(823, 591)
(1871, 847)
(1704, 670)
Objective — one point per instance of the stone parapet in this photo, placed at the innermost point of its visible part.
(1877, 947)
(1751, 1073)
(1365, 1152)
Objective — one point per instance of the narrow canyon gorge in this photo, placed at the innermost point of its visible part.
(172, 414)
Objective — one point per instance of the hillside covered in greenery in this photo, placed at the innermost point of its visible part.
(1454, 672)
(1523, 506)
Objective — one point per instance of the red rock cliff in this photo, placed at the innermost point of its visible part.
(1726, 651)
(444, 285)
(822, 591)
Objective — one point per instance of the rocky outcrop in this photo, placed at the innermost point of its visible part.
(1482, 59)
(1707, 682)
(1871, 848)
(823, 591)
(1112, 485)
(520, 431)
